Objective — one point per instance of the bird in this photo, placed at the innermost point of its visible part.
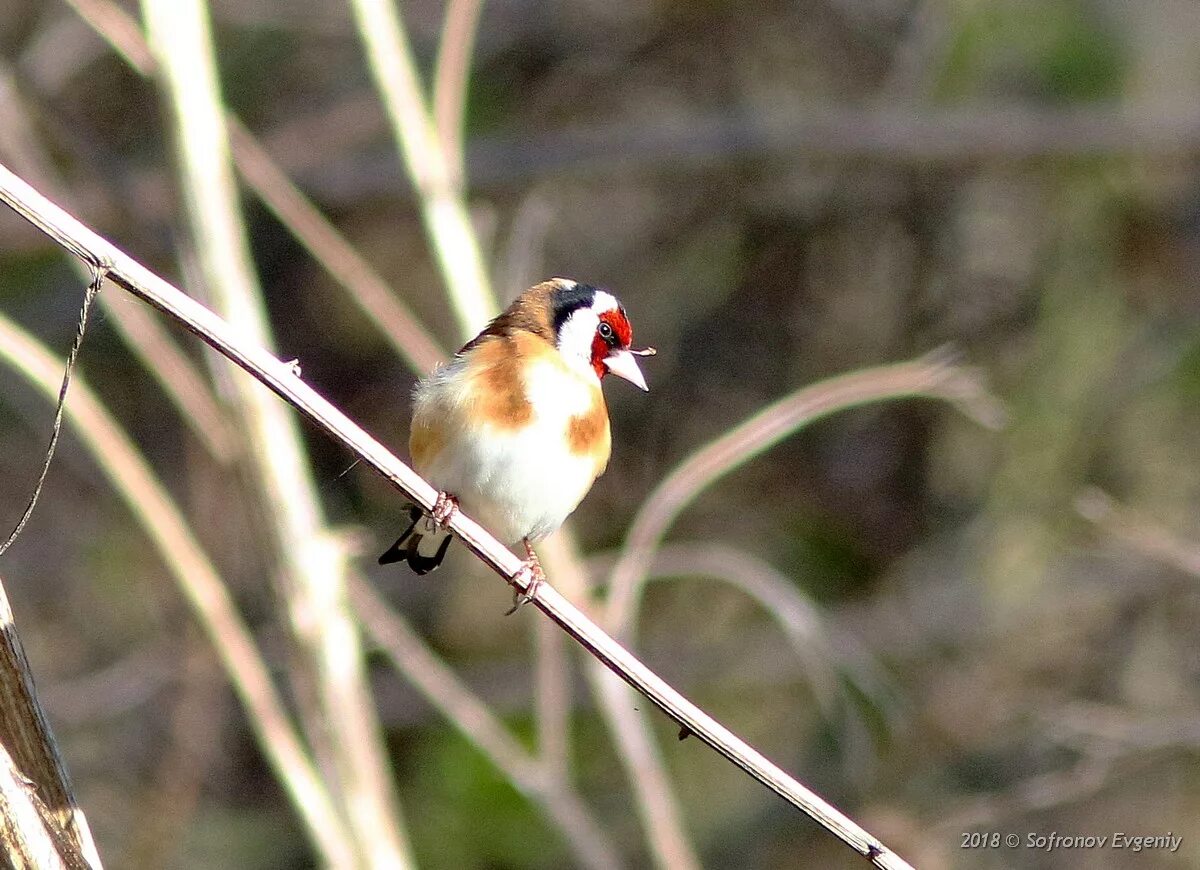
(514, 429)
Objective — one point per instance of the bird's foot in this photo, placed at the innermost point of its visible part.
(443, 511)
(533, 575)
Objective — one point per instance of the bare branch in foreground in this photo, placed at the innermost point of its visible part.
(25, 735)
(28, 837)
(278, 375)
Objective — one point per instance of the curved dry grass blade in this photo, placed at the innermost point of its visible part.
(793, 612)
(933, 376)
(312, 559)
(280, 377)
(207, 594)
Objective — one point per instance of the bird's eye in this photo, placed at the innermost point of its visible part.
(606, 331)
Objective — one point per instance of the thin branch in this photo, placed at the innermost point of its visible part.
(903, 131)
(280, 378)
(931, 376)
(314, 562)
(207, 594)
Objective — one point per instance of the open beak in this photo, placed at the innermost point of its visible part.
(622, 364)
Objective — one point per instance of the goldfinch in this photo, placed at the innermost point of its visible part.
(514, 428)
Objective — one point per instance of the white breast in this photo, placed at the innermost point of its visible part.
(516, 482)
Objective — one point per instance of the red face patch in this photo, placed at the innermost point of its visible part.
(613, 332)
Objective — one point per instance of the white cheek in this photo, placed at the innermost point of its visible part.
(575, 336)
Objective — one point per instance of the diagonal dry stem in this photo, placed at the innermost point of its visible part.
(1138, 531)
(280, 377)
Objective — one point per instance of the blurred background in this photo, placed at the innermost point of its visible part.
(779, 192)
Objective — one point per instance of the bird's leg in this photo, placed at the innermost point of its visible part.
(443, 511)
(531, 570)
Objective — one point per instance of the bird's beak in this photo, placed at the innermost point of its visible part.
(622, 364)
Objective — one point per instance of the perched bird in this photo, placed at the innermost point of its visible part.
(514, 428)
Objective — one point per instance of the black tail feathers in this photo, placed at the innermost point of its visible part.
(422, 550)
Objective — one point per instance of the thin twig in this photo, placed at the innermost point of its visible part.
(279, 376)
(209, 597)
(932, 376)
(89, 294)
(312, 559)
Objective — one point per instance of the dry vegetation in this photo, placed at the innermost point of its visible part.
(941, 626)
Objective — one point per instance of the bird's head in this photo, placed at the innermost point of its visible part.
(591, 327)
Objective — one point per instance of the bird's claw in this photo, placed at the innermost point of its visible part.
(443, 511)
(532, 575)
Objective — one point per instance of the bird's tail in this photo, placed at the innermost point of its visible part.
(422, 549)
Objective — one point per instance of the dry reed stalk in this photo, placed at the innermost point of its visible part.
(312, 559)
